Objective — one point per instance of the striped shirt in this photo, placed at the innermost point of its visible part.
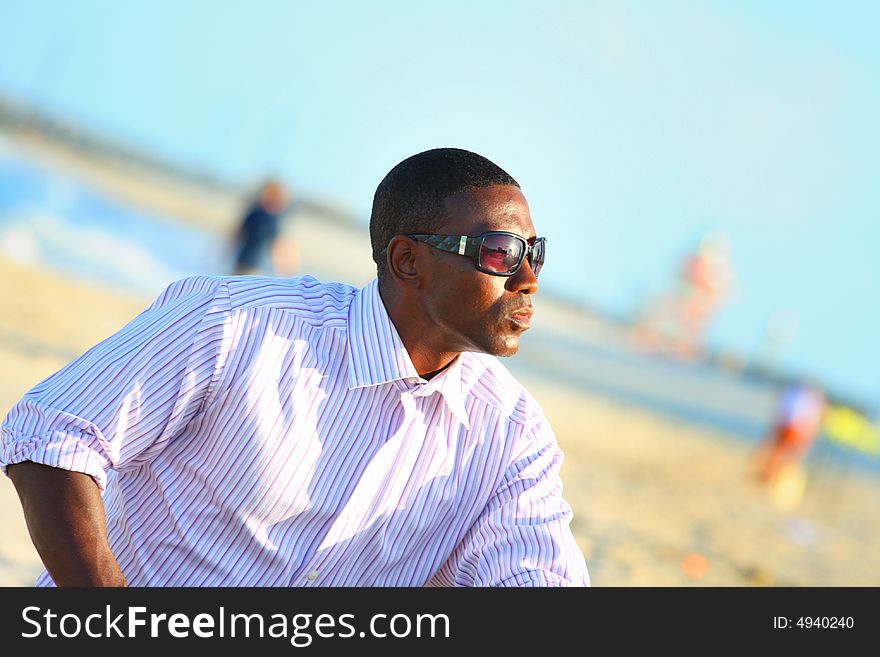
(251, 431)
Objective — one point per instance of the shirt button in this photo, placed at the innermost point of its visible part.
(312, 576)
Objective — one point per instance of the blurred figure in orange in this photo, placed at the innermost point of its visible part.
(797, 425)
(259, 246)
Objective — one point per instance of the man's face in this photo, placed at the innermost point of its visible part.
(472, 310)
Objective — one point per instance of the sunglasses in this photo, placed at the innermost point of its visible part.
(498, 253)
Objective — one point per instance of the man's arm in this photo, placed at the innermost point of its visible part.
(65, 518)
(116, 407)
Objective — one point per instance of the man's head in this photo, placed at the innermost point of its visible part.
(458, 302)
(410, 198)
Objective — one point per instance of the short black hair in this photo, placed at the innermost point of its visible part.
(410, 198)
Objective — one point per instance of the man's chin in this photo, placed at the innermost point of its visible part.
(508, 347)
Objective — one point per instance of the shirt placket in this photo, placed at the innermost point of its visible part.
(412, 390)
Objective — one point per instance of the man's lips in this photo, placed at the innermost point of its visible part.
(522, 317)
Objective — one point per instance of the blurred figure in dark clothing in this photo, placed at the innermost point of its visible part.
(259, 248)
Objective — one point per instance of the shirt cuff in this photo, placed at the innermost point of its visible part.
(535, 578)
(67, 450)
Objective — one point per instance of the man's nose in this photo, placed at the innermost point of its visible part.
(524, 280)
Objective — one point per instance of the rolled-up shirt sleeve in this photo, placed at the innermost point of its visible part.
(121, 402)
(523, 536)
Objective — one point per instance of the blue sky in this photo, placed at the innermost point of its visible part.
(633, 127)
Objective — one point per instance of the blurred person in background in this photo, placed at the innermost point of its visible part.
(677, 322)
(706, 278)
(777, 460)
(260, 247)
(253, 431)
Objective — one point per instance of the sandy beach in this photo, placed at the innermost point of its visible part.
(657, 501)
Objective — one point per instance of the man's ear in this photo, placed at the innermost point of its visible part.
(404, 261)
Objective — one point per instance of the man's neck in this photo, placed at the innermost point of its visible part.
(415, 332)
(431, 375)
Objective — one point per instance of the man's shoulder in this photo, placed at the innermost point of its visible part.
(305, 295)
(486, 379)
(310, 298)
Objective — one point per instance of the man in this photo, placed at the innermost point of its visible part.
(251, 431)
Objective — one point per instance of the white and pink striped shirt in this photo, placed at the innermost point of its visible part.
(252, 431)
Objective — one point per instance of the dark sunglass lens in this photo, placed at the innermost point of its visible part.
(501, 253)
(537, 257)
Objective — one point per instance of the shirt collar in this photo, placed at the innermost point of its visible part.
(377, 354)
